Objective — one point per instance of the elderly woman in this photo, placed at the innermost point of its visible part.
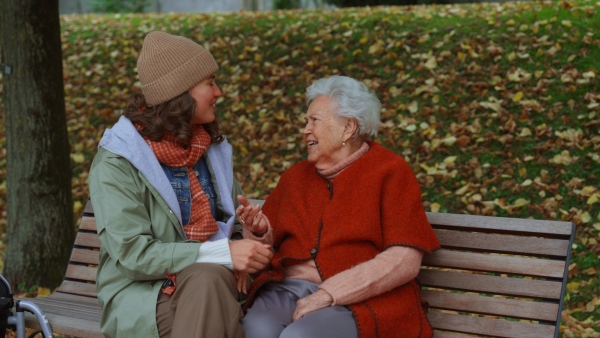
(348, 227)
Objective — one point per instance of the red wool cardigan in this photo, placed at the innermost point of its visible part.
(373, 204)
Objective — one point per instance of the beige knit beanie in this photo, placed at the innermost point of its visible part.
(170, 65)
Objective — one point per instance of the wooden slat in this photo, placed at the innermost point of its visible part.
(446, 334)
(495, 263)
(87, 223)
(504, 307)
(488, 326)
(523, 245)
(78, 288)
(67, 325)
(85, 256)
(76, 299)
(89, 240)
(82, 272)
(88, 209)
(73, 309)
(500, 224)
(518, 287)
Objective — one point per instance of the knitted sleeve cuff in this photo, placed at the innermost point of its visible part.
(216, 252)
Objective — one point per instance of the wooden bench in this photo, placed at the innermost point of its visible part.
(494, 276)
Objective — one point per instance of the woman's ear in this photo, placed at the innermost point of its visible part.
(350, 128)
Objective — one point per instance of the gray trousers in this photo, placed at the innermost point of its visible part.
(271, 314)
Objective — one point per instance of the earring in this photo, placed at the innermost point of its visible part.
(343, 143)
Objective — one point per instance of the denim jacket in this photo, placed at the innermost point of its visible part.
(178, 176)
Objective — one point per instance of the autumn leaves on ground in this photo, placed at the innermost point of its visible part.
(495, 106)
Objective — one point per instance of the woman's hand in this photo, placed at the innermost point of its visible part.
(251, 217)
(242, 281)
(316, 301)
(249, 255)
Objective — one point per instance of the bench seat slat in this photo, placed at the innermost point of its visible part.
(78, 299)
(501, 224)
(523, 245)
(519, 287)
(495, 263)
(83, 311)
(516, 308)
(67, 325)
(488, 326)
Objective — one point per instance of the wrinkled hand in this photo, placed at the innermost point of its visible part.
(249, 255)
(318, 300)
(252, 217)
(242, 281)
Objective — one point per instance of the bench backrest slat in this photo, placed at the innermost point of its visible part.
(78, 288)
(503, 243)
(527, 266)
(491, 305)
(483, 283)
(488, 326)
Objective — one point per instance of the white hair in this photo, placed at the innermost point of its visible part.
(352, 99)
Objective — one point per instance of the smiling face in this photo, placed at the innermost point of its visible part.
(325, 133)
(206, 93)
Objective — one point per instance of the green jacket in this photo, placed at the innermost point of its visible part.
(140, 233)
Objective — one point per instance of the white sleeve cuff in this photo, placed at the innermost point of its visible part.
(216, 252)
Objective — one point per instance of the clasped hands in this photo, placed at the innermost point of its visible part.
(248, 255)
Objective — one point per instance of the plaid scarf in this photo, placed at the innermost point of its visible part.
(202, 224)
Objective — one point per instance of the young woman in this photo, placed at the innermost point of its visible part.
(162, 189)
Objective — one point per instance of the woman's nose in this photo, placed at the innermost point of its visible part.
(217, 91)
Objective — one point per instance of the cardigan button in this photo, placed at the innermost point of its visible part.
(313, 251)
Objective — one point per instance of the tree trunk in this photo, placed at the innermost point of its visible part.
(39, 200)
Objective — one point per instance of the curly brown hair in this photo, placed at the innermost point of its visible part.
(172, 117)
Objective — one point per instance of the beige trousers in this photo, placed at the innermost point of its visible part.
(204, 305)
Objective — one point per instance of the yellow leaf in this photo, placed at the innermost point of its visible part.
(77, 207)
(593, 199)
(585, 217)
(78, 158)
(567, 23)
(518, 96)
(511, 56)
(527, 182)
(521, 202)
(525, 131)
(43, 292)
(462, 190)
(413, 107)
(363, 40)
(431, 63)
(449, 160)
(449, 140)
(435, 207)
(573, 286)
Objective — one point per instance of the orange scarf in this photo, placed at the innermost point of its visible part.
(202, 224)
